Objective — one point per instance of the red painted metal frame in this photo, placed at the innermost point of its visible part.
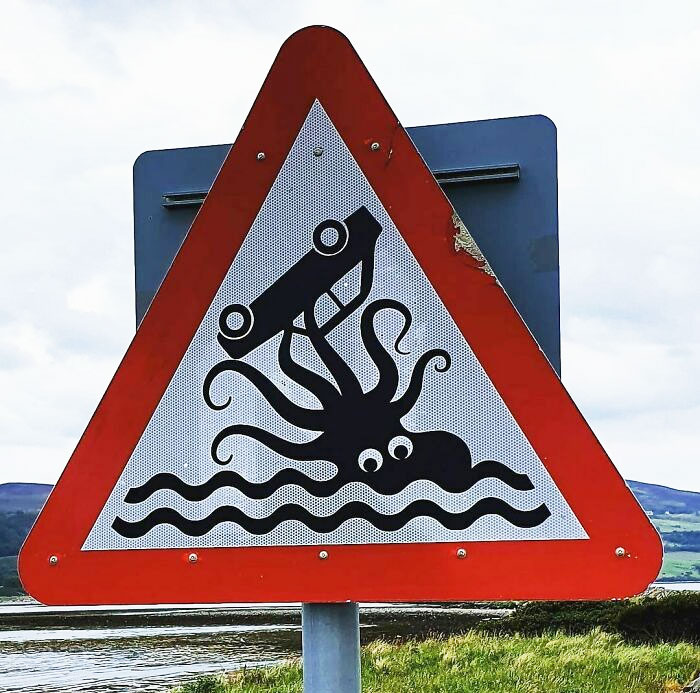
(320, 63)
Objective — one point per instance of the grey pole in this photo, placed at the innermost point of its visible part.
(331, 647)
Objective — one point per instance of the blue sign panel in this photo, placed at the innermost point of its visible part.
(500, 176)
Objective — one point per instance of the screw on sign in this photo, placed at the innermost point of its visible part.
(333, 401)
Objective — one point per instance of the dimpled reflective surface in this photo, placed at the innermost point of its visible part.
(460, 400)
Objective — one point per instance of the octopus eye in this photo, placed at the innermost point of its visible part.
(400, 447)
(370, 460)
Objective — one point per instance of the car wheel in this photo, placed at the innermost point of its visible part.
(323, 245)
(246, 321)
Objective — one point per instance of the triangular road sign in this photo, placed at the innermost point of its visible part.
(330, 400)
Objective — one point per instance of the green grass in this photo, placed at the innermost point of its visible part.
(670, 523)
(481, 663)
(681, 565)
(678, 565)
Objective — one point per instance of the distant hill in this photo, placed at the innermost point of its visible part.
(661, 499)
(19, 505)
(23, 497)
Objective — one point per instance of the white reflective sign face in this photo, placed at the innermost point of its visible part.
(328, 397)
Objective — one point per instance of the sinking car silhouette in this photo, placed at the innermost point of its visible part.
(298, 289)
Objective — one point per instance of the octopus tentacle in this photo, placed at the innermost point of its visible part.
(312, 419)
(388, 372)
(302, 452)
(348, 384)
(317, 385)
(405, 403)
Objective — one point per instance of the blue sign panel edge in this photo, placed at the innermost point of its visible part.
(500, 175)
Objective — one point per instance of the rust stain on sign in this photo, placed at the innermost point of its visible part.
(464, 241)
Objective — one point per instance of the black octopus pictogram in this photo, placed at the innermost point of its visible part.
(360, 432)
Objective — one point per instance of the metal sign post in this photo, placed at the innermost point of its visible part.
(331, 647)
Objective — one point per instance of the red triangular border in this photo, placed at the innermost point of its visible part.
(320, 63)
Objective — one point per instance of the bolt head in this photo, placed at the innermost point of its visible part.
(620, 552)
(260, 156)
(192, 558)
(461, 553)
(323, 555)
(318, 151)
(53, 560)
(374, 146)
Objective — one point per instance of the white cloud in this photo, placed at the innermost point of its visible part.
(89, 297)
(659, 446)
(86, 87)
(615, 369)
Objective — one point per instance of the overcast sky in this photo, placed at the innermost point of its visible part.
(85, 87)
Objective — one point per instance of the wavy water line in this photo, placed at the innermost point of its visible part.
(320, 489)
(353, 491)
(324, 525)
